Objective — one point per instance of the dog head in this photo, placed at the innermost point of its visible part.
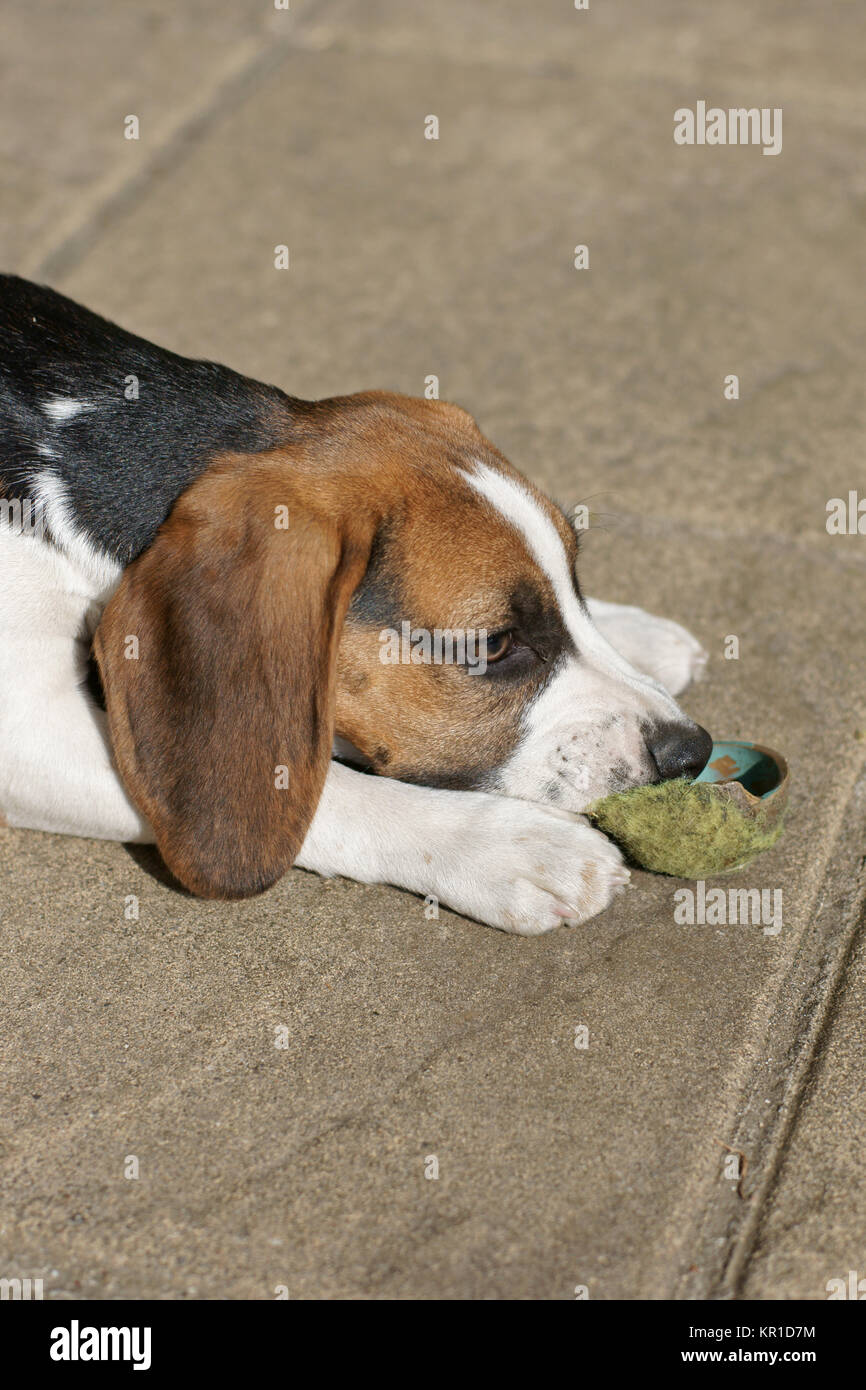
(386, 578)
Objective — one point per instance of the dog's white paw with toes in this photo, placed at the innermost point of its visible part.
(528, 868)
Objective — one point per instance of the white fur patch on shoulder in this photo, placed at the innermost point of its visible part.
(61, 409)
(100, 571)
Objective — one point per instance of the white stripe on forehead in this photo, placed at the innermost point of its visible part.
(521, 509)
(518, 506)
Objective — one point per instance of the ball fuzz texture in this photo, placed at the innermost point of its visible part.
(687, 829)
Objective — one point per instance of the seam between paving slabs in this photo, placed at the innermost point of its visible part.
(828, 998)
(253, 60)
(719, 1240)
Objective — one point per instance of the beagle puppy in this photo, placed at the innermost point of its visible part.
(232, 556)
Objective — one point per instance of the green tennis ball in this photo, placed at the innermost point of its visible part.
(688, 829)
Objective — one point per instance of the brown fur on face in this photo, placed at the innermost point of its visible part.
(245, 666)
(440, 724)
(444, 559)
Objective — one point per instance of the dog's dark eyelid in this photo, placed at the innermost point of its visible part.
(536, 651)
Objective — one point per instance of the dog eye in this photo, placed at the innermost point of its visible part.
(498, 645)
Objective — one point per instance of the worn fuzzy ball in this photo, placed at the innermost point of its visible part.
(686, 829)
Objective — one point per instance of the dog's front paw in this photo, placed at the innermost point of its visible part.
(658, 647)
(528, 868)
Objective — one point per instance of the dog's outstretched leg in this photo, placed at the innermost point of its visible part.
(656, 646)
(56, 771)
(512, 864)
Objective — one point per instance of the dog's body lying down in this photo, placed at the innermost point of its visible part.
(239, 556)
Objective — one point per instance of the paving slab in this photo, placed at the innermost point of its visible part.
(70, 75)
(438, 251)
(407, 1041)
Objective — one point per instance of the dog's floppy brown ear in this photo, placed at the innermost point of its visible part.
(217, 655)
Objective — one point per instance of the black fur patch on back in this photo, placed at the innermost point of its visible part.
(122, 462)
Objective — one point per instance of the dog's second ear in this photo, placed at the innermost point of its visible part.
(217, 655)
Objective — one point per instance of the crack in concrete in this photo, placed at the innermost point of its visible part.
(252, 62)
(724, 1234)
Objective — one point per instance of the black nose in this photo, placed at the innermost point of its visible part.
(679, 750)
